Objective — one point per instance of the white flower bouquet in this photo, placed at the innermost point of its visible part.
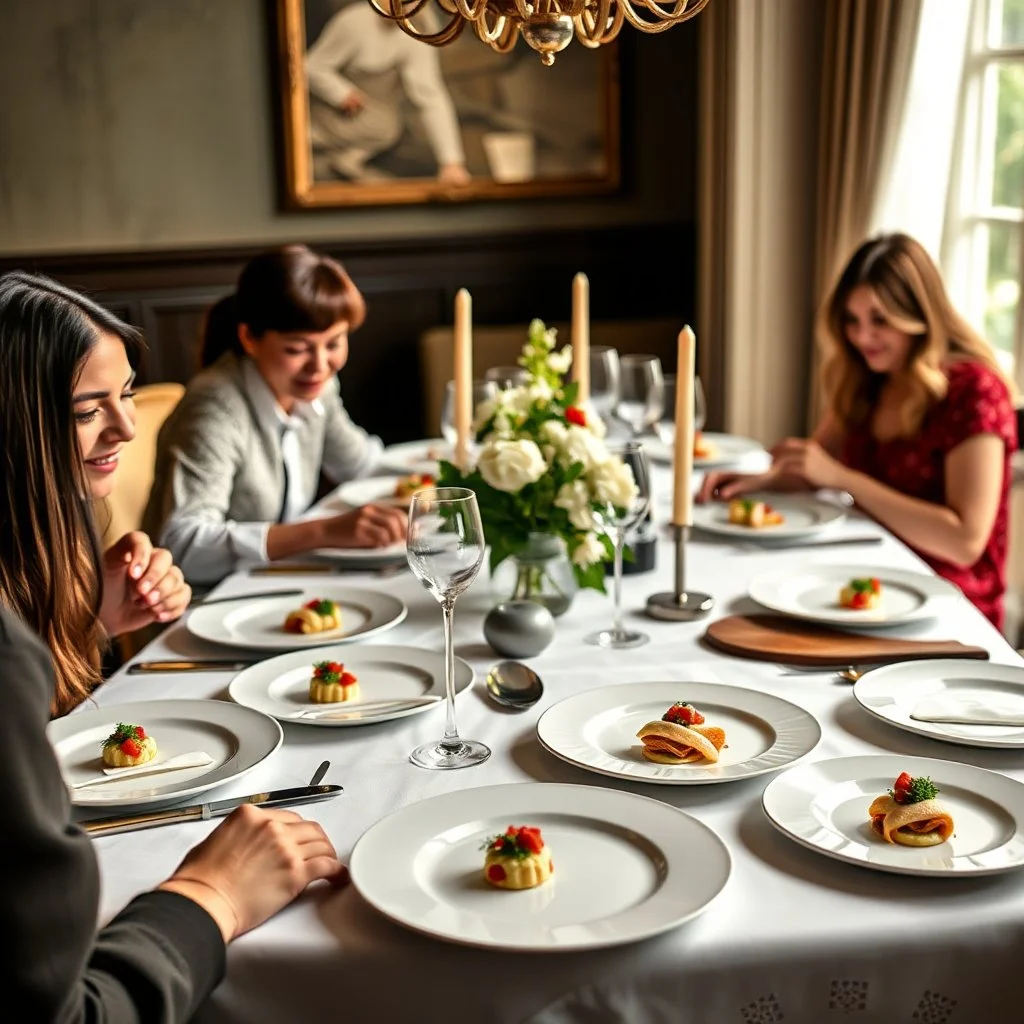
(542, 465)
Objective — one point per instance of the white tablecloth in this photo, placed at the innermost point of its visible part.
(794, 936)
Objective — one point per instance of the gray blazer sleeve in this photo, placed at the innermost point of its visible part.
(156, 960)
(349, 451)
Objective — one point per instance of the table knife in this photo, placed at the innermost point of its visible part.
(197, 665)
(203, 812)
(258, 596)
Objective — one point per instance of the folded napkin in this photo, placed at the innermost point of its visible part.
(193, 759)
(953, 709)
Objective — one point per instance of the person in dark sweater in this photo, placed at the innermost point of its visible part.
(165, 951)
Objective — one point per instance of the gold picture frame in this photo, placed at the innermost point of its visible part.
(375, 127)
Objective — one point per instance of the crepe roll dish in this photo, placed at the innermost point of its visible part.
(407, 486)
(681, 736)
(753, 513)
(128, 746)
(861, 593)
(330, 683)
(909, 814)
(518, 858)
(316, 616)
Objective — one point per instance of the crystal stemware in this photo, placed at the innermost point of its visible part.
(641, 392)
(630, 485)
(445, 552)
(482, 390)
(506, 377)
(604, 381)
(665, 428)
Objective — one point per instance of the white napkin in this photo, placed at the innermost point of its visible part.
(990, 709)
(193, 759)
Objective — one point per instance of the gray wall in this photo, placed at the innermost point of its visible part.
(149, 124)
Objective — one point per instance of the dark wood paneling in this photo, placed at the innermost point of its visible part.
(410, 285)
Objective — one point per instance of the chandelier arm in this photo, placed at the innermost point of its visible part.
(661, 16)
(406, 9)
(594, 27)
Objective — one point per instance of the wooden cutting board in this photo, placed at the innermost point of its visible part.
(777, 638)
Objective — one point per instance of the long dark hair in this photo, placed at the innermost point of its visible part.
(49, 551)
(291, 288)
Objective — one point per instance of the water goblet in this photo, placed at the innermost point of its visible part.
(506, 377)
(482, 390)
(445, 552)
(665, 428)
(604, 381)
(641, 392)
(617, 520)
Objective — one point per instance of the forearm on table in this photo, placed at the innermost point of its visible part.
(934, 529)
(287, 539)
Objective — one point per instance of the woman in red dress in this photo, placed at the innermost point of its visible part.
(920, 422)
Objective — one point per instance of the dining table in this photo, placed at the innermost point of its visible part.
(793, 936)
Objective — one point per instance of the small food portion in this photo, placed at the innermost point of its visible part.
(910, 815)
(702, 447)
(407, 486)
(128, 746)
(331, 683)
(861, 594)
(316, 616)
(517, 859)
(681, 737)
(753, 513)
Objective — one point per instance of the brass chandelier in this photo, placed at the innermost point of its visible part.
(547, 25)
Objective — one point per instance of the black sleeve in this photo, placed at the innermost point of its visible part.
(155, 962)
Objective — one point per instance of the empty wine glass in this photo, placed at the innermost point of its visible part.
(641, 392)
(617, 520)
(445, 552)
(604, 380)
(482, 390)
(665, 428)
(506, 377)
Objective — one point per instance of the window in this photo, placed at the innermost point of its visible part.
(984, 227)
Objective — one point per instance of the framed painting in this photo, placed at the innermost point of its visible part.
(371, 116)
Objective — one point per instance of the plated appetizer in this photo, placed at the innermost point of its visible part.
(128, 746)
(316, 616)
(407, 486)
(702, 447)
(861, 594)
(517, 859)
(910, 815)
(753, 513)
(330, 683)
(681, 737)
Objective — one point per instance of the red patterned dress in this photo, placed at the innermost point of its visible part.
(977, 403)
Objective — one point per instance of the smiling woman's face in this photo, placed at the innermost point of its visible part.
(104, 411)
(883, 347)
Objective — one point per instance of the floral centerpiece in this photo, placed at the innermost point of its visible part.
(542, 466)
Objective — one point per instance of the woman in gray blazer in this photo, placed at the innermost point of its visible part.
(242, 455)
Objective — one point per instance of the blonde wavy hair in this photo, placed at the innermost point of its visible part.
(909, 288)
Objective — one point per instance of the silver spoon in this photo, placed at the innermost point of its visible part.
(514, 685)
(320, 773)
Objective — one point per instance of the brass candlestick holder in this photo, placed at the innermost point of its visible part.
(680, 605)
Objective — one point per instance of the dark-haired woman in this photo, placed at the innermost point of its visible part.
(242, 455)
(920, 423)
(66, 376)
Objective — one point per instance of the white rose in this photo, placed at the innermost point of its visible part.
(595, 424)
(511, 465)
(554, 432)
(574, 497)
(516, 402)
(483, 412)
(588, 551)
(541, 391)
(612, 482)
(561, 361)
(580, 445)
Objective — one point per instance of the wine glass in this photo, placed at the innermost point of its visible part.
(506, 377)
(617, 521)
(641, 392)
(604, 380)
(665, 428)
(482, 390)
(445, 552)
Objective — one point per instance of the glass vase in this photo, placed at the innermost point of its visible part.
(539, 571)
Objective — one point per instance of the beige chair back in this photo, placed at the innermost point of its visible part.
(501, 346)
(134, 480)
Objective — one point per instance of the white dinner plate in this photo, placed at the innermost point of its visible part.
(415, 456)
(596, 730)
(811, 592)
(893, 692)
(377, 490)
(824, 806)
(259, 623)
(280, 686)
(626, 867)
(728, 448)
(237, 738)
(803, 516)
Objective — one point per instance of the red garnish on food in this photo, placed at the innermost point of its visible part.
(332, 672)
(140, 732)
(876, 584)
(131, 748)
(574, 414)
(908, 790)
(859, 600)
(517, 841)
(496, 873)
(683, 714)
